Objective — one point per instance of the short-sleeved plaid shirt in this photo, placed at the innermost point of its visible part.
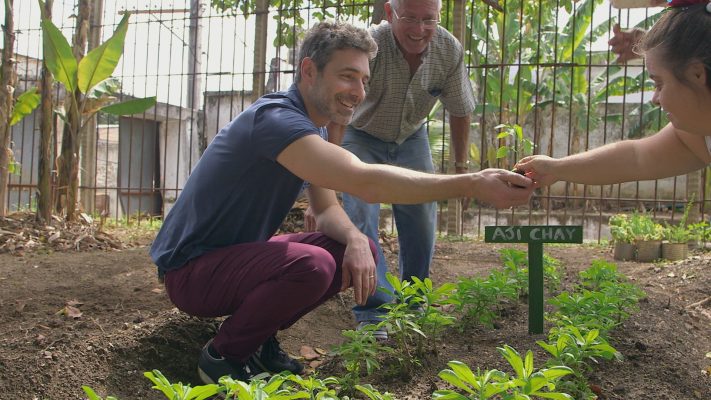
(396, 105)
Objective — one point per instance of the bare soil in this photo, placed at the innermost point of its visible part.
(98, 316)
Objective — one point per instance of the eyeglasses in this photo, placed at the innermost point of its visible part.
(426, 23)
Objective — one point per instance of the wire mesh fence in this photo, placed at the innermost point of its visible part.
(540, 65)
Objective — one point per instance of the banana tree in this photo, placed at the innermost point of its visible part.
(89, 86)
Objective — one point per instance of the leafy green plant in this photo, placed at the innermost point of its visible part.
(513, 145)
(257, 388)
(310, 387)
(700, 231)
(676, 233)
(479, 385)
(23, 106)
(89, 86)
(569, 347)
(415, 318)
(373, 394)
(526, 383)
(643, 227)
(178, 391)
(515, 263)
(679, 233)
(360, 353)
(599, 272)
(585, 309)
(529, 381)
(475, 299)
(620, 228)
(602, 302)
(428, 304)
(93, 396)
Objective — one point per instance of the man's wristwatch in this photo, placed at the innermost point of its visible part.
(463, 164)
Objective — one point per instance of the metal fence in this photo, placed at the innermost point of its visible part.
(541, 64)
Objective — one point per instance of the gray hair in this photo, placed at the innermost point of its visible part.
(397, 3)
(325, 38)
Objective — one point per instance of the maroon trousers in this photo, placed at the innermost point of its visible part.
(263, 287)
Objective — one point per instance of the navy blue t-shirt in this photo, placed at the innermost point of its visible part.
(237, 192)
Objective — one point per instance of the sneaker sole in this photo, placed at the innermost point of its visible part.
(259, 365)
(204, 377)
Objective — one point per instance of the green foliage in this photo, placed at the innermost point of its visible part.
(476, 299)
(526, 383)
(599, 273)
(700, 231)
(24, 104)
(515, 264)
(529, 381)
(569, 347)
(643, 227)
(93, 396)
(620, 228)
(178, 391)
(676, 233)
(680, 233)
(602, 302)
(93, 69)
(480, 386)
(360, 353)
(289, 18)
(513, 145)
(373, 394)
(310, 387)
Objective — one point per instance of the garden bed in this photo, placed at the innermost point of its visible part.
(100, 318)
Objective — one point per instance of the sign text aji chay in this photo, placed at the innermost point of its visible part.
(535, 236)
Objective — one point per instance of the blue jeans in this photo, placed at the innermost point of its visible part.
(415, 223)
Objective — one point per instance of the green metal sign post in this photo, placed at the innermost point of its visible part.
(535, 236)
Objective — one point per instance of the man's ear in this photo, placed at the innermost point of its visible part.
(308, 69)
(388, 12)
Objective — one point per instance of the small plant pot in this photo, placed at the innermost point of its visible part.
(675, 251)
(649, 250)
(624, 251)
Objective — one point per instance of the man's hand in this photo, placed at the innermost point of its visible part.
(538, 168)
(309, 220)
(503, 189)
(623, 42)
(358, 270)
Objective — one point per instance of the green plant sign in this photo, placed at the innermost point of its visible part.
(535, 236)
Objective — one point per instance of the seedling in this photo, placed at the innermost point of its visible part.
(360, 354)
(514, 145)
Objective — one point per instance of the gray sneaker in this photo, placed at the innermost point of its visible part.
(379, 332)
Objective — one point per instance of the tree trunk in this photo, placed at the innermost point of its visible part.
(44, 183)
(68, 163)
(260, 48)
(378, 12)
(87, 141)
(454, 206)
(7, 90)
(695, 190)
